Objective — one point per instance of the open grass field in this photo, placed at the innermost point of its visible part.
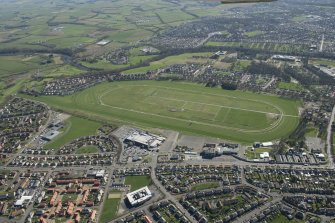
(204, 186)
(284, 48)
(137, 182)
(10, 65)
(186, 107)
(75, 127)
(73, 24)
(17, 67)
(15, 71)
(330, 63)
(283, 219)
(176, 59)
(107, 65)
(253, 33)
(61, 70)
(311, 131)
(5, 92)
(256, 153)
(109, 211)
(290, 86)
(87, 149)
(115, 194)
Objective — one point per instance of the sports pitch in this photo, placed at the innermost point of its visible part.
(186, 107)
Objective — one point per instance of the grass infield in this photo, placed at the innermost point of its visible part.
(186, 107)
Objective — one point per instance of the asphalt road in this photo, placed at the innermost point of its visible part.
(167, 194)
(226, 160)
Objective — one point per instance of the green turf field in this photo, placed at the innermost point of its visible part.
(87, 149)
(19, 64)
(175, 59)
(109, 211)
(205, 186)
(256, 153)
(137, 182)
(311, 131)
(330, 63)
(5, 92)
(285, 48)
(253, 33)
(282, 219)
(75, 127)
(290, 86)
(105, 64)
(73, 24)
(186, 107)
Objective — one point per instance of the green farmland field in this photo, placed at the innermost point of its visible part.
(186, 107)
(167, 61)
(73, 24)
(10, 65)
(285, 48)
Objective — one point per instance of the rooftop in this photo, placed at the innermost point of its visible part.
(139, 196)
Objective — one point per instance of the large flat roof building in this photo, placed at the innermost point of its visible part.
(144, 140)
(139, 196)
(103, 42)
(25, 198)
(50, 135)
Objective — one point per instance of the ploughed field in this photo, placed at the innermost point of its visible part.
(186, 107)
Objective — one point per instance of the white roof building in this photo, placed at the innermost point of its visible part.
(139, 196)
(320, 155)
(264, 155)
(100, 173)
(146, 140)
(284, 57)
(24, 199)
(103, 42)
(267, 144)
(155, 143)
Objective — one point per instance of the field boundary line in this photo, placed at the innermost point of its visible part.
(224, 118)
(216, 115)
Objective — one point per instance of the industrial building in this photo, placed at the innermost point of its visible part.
(139, 196)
